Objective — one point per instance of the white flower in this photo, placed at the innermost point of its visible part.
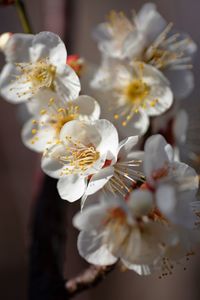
(172, 187)
(135, 92)
(81, 152)
(37, 63)
(43, 129)
(116, 229)
(148, 38)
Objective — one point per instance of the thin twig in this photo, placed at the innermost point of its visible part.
(87, 279)
(23, 17)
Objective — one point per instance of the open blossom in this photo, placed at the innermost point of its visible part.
(173, 183)
(114, 230)
(43, 129)
(147, 37)
(81, 152)
(119, 173)
(157, 225)
(135, 92)
(37, 63)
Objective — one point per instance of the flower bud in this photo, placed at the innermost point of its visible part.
(4, 39)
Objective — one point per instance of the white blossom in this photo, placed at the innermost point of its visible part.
(135, 92)
(37, 63)
(43, 129)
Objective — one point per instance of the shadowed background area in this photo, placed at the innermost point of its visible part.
(73, 21)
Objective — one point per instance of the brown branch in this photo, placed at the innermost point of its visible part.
(87, 279)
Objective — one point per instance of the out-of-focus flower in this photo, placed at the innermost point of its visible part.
(134, 92)
(82, 151)
(155, 227)
(43, 129)
(76, 63)
(37, 63)
(148, 38)
(174, 183)
(116, 229)
(4, 38)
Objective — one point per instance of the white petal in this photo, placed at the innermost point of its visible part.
(40, 140)
(99, 180)
(181, 81)
(109, 138)
(91, 217)
(71, 187)
(91, 248)
(155, 157)
(88, 108)
(166, 199)
(41, 101)
(48, 44)
(50, 165)
(126, 145)
(67, 82)
(12, 89)
(17, 48)
(140, 202)
(142, 270)
(186, 176)
(83, 132)
(138, 125)
(150, 22)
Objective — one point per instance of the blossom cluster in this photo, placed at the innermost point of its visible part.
(146, 212)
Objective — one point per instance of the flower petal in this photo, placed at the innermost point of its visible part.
(13, 89)
(88, 107)
(17, 48)
(48, 45)
(90, 247)
(67, 82)
(126, 145)
(99, 180)
(155, 157)
(91, 217)
(35, 138)
(71, 187)
(50, 164)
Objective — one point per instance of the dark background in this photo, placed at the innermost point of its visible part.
(19, 168)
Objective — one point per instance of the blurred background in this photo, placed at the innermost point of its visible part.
(73, 21)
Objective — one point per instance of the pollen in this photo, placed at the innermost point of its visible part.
(40, 74)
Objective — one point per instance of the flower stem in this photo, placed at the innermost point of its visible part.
(23, 17)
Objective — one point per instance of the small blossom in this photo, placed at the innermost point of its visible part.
(135, 92)
(43, 129)
(82, 151)
(37, 63)
(115, 229)
(147, 37)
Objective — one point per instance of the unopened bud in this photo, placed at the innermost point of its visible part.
(4, 39)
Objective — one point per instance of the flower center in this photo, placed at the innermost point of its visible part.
(54, 117)
(136, 93)
(79, 158)
(39, 74)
